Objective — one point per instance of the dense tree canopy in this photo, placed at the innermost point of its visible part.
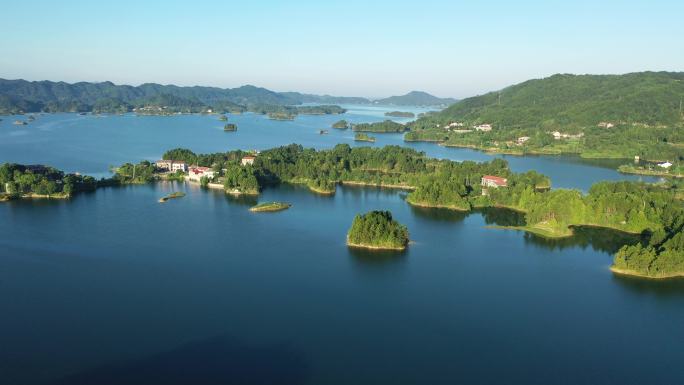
(377, 229)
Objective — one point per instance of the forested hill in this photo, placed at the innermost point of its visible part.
(574, 101)
(17, 96)
(22, 95)
(416, 98)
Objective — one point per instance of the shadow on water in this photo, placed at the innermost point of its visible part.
(439, 215)
(661, 288)
(494, 216)
(372, 259)
(217, 360)
(600, 239)
(242, 200)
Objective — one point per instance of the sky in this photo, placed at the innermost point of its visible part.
(346, 48)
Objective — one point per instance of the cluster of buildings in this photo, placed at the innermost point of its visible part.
(171, 165)
(195, 173)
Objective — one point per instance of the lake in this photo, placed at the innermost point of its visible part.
(112, 287)
(91, 144)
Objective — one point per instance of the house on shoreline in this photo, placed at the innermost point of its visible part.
(196, 173)
(171, 165)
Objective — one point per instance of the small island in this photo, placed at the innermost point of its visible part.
(281, 116)
(361, 137)
(173, 195)
(230, 127)
(386, 126)
(400, 114)
(270, 207)
(377, 230)
(341, 125)
(321, 110)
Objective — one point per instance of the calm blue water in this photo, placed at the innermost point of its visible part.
(90, 144)
(115, 288)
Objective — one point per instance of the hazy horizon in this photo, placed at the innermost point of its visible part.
(448, 49)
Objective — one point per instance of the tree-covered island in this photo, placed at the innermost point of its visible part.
(377, 230)
(363, 137)
(341, 125)
(400, 114)
(654, 210)
(380, 127)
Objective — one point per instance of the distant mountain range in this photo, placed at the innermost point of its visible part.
(34, 96)
(416, 98)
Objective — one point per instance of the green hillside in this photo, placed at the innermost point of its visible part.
(612, 116)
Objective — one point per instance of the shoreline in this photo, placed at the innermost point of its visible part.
(495, 150)
(7, 197)
(431, 206)
(382, 185)
(533, 230)
(322, 192)
(371, 247)
(634, 273)
(270, 207)
(636, 171)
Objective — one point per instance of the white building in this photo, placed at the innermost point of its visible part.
(559, 135)
(483, 127)
(523, 139)
(455, 124)
(247, 159)
(196, 173)
(665, 165)
(171, 165)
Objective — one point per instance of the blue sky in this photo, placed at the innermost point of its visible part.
(365, 48)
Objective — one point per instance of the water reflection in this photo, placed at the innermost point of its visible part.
(661, 288)
(242, 200)
(377, 260)
(439, 215)
(600, 239)
(502, 217)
